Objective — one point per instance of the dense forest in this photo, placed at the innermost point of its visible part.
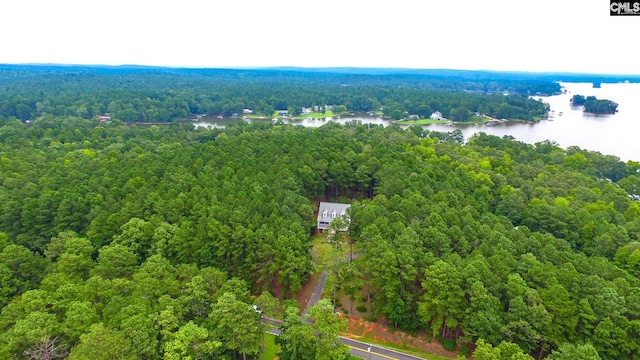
(152, 242)
(593, 105)
(511, 77)
(142, 94)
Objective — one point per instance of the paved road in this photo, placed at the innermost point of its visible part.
(374, 352)
(358, 348)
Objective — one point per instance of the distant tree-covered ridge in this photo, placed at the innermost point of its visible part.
(593, 105)
(139, 94)
(153, 242)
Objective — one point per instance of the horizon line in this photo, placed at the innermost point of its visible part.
(292, 67)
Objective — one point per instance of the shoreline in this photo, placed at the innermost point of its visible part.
(477, 120)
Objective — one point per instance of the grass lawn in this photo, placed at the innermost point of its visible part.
(320, 252)
(270, 348)
(316, 115)
(479, 120)
(322, 247)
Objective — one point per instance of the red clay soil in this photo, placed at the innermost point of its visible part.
(358, 328)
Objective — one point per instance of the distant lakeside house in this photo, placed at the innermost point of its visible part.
(328, 211)
(436, 115)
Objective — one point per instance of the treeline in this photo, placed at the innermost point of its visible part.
(113, 306)
(163, 95)
(461, 106)
(113, 229)
(148, 242)
(593, 105)
(503, 241)
(435, 79)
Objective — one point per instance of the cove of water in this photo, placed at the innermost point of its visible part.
(616, 134)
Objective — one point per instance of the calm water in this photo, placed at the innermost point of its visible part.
(617, 134)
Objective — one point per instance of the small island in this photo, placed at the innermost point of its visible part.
(593, 105)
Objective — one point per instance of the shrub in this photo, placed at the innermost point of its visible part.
(464, 351)
(449, 344)
(361, 308)
(289, 303)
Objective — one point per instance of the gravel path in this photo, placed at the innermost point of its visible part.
(315, 294)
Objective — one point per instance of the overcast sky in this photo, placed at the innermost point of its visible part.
(542, 35)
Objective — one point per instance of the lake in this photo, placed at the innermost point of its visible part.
(616, 134)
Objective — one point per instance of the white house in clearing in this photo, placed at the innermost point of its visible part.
(328, 211)
(436, 115)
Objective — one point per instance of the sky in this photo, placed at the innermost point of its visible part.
(537, 36)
